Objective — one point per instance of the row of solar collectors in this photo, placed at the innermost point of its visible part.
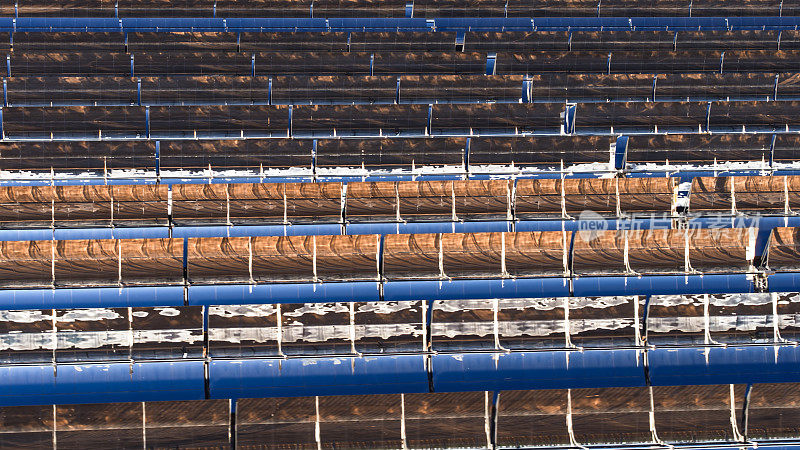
(392, 201)
(150, 63)
(210, 90)
(470, 41)
(564, 418)
(82, 122)
(390, 327)
(435, 256)
(399, 8)
(342, 157)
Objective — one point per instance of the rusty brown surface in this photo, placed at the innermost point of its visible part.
(518, 116)
(317, 89)
(727, 40)
(472, 255)
(293, 41)
(783, 252)
(187, 423)
(347, 257)
(288, 420)
(535, 253)
(35, 41)
(412, 63)
(425, 199)
(236, 202)
(358, 118)
(26, 262)
(761, 61)
(721, 8)
(762, 194)
(406, 154)
(601, 252)
(263, 8)
(414, 41)
(31, 204)
(181, 41)
(411, 256)
(710, 194)
(218, 259)
(540, 150)
(152, 63)
(790, 39)
(145, 261)
(451, 8)
(200, 201)
(283, 63)
(160, 90)
(260, 201)
(698, 148)
(90, 261)
(283, 258)
(371, 421)
(27, 194)
(777, 114)
(533, 418)
(789, 85)
(247, 154)
(312, 202)
(786, 148)
(540, 197)
(460, 87)
(77, 156)
(657, 251)
(359, 8)
(682, 85)
(85, 204)
(768, 401)
(696, 413)
(509, 41)
(71, 90)
(105, 424)
(611, 415)
(689, 114)
(446, 420)
(88, 63)
(660, 62)
(551, 62)
(372, 201)
(646, 194)
(27, 425)
(140, 203)
(719, 250)
(82, 203)
(622, 40)
(482, 198)
(90, 120)
(590, 194)
(563, 87)
(212, 118)
(793, 191)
